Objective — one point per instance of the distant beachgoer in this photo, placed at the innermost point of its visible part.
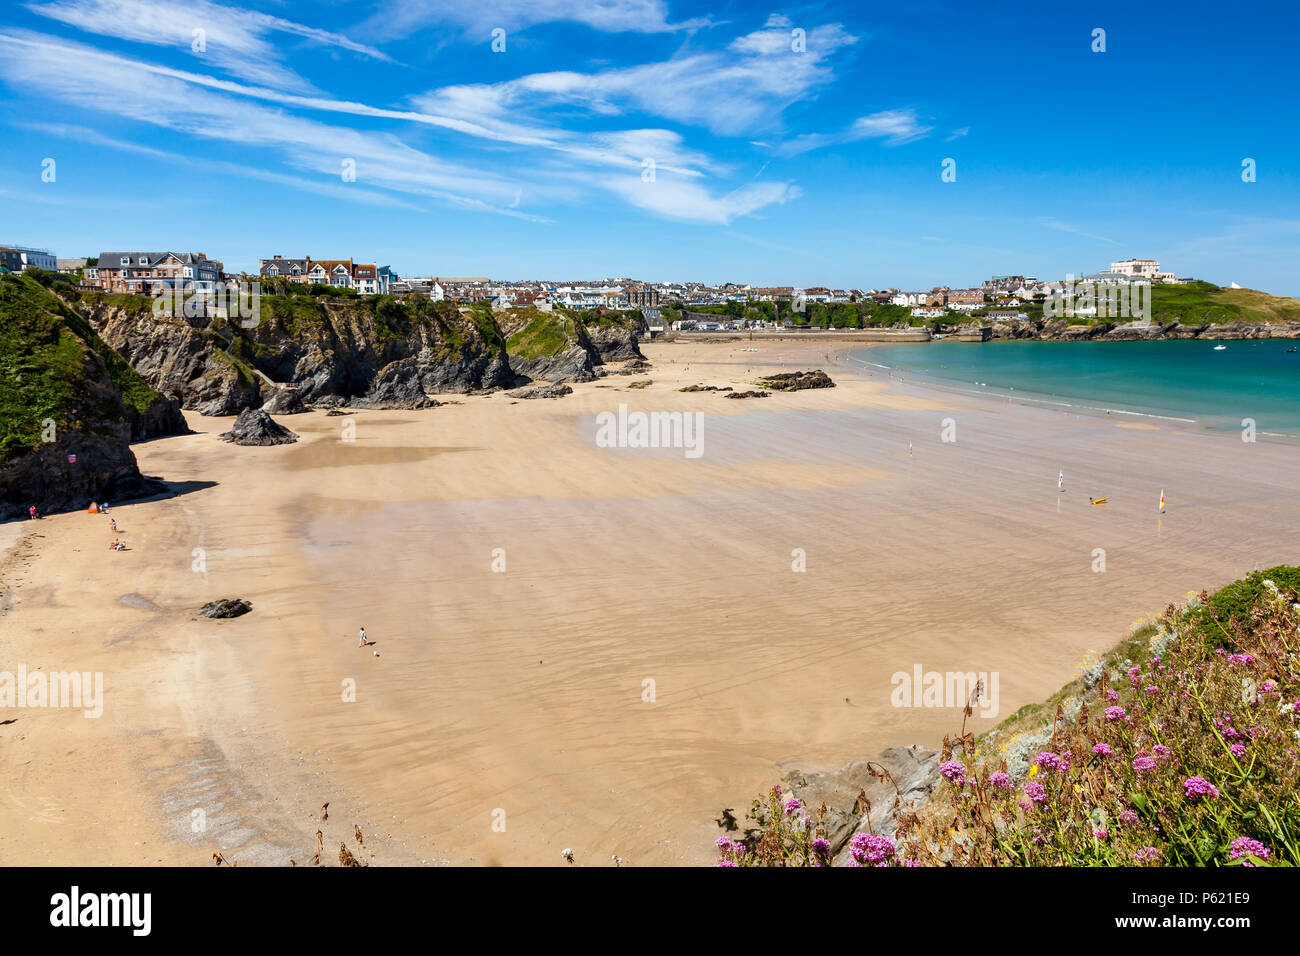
(1060, 481)
(31, 512)
(103, 509)
(113, 523)
(909, 449)
(362, 638)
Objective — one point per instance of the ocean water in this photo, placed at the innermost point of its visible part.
(1182, 380)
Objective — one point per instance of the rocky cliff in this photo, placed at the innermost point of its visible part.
(565, 346)
(1059, 330)
(69, 408)
(372, 352)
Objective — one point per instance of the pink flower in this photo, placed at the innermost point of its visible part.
(954, 771)
(1116, 713)
(1102, 749)
(1199, 787)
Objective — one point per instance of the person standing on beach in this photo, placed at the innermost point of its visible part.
(362, 638)
(31, 513)
(1060, 481)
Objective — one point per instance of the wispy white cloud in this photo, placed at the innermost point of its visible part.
(348, 192)
(608, 16)
(729, 92)
(895, 127)
(104, 84)
(957, 134)
(206, 107)
(228, 38)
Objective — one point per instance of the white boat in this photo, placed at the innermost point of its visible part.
(1219, 348)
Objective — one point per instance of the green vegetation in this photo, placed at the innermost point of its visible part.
(46, 370)
(1201, 303)
(544, 335)
(1178, 747)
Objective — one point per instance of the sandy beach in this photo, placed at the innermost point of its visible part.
(581, 646)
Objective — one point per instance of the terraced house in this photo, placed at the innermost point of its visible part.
(366, 278)
(150, 273)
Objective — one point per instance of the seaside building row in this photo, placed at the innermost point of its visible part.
(153, 273)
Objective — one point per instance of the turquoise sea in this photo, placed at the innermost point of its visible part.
(1183, 380)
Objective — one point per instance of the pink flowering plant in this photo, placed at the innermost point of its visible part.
(1181, 750)
(1190, 759)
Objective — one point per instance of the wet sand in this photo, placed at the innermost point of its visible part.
(521, 694)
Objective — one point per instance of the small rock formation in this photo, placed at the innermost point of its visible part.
(336, 412)
(643, 383)
(226, 607)
(914, 769)
(284, 401)
(797, 381)
(750, 394)
(704, 388)
(255, 427)
(399, 384)
(544, 391)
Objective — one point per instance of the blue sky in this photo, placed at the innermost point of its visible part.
(771, 164)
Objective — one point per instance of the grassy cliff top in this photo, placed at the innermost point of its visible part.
(1199, 303)
(537, 334)
(48, 370)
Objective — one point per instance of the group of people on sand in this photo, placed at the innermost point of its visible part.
(118, 544)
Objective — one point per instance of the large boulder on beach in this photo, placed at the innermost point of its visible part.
(226, 607)
(545, 391)
(797, 381)
(255, 427)
(284, 401)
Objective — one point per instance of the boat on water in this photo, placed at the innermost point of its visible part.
(1289, 351)
(1219, 348)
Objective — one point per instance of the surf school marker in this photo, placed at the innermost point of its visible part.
(1162, 501)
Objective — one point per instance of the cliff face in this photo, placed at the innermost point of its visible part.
(64, 393)
(563, 346)
(374, 352)
(1059, 330)
(187, 364)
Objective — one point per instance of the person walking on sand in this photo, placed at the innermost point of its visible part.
(362, 638)
(113, 523)
(1060, 481)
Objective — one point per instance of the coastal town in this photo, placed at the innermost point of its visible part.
(665, 305)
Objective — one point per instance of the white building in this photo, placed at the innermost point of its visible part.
(28, 258)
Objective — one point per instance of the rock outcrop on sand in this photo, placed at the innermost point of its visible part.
(705, 388)
(226, 607)
(751, 393)
(69, 409)
(565, 346)
(255, 427)
(285, 401)
(864, 796)
(797, 381)
(557, 390)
